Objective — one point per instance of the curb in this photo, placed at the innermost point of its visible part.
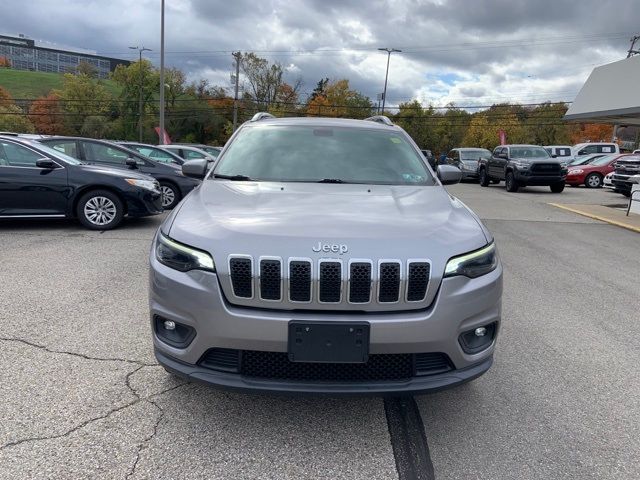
(593, 216)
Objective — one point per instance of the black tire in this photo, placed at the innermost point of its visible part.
(626, 193)
(170, 195)
(593, 180)
(100, 210)
(483, 177)
(511, 183)
(557, 187)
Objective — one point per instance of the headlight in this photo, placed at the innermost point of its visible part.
(521, 165)
(146, 184)
(473, 264)
(576, 171)
(181, 257)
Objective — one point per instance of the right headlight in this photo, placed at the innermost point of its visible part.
(182, 257)
(521, 165)
(473, 264)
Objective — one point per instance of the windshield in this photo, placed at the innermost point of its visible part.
(214, 152)
(584, 160)
(56, 153)
(475, 154)
(599, 161)
(156, 154)
(330, 154)
(528, 152)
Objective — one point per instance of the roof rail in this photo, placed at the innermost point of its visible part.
(380, 119)
(261, 116)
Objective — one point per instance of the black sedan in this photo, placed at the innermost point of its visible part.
(37, 181)
(173, 184)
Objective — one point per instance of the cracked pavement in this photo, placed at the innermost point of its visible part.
(81, 395)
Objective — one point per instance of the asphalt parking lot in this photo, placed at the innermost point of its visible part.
(82, 397)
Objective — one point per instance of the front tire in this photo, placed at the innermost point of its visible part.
(557, 187)
(511, 183)
(593, 180)
(100, 210)
(483, 177)
(170, 195)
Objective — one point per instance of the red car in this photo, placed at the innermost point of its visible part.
(592, 174)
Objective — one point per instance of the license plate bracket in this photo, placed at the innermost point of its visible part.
(328, 342)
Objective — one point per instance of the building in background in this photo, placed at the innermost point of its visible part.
(26, 54)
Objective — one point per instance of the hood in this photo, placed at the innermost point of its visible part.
(538, 160)
(291, 219)
(113, 171)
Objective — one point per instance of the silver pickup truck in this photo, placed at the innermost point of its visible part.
(324, 256)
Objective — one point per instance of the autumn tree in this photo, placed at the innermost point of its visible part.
(544, 125)
(46, 115)
(5, 62)
(82, 96)
(262, 80)
(13, 119)
(337, 99)
(592, 132)
(174, 80)
(5, 97)
(88, 69)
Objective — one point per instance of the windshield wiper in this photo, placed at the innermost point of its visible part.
(330, 180)
(239, 178)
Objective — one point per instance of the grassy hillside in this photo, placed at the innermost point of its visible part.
(26, 84)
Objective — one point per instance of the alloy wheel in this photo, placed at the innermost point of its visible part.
(100, 210)
(168, 195)
(593, 181)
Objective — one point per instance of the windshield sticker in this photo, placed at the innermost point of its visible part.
(395, 140)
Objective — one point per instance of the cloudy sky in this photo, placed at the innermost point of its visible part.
(471, 52)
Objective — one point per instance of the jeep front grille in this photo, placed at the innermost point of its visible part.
(329, 281)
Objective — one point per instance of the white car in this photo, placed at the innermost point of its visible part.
(607, 183)
(594, 147)
(188, 152)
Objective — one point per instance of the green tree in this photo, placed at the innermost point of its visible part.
(81, 96)
(13, 119)
(337, 99)
(418, 122)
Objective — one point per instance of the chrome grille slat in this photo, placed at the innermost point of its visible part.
(329, 281)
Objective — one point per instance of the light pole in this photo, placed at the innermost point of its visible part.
(389, 52)
(140, 50)
(162, 73)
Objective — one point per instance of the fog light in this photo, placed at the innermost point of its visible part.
(480, 332)
(173, 333)
(478, 339)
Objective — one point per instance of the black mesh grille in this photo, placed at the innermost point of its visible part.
(360, 282)
(300, 281)
(270, 279)
(241, 279)
(389, 282)
(432, 363)
(276, 365)
(330, 281)
(546, 168)
(225, 359)
(418, 281)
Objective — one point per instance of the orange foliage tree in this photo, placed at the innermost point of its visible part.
(46, 115)
(5, 98)
(592, 132)
(5, 62)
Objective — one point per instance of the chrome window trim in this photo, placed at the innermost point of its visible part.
(400, 289)
(259, 275)
(253, 276)
(311, 277)
(426, 291)
(371, 285)
(342, 279)
(42, 155)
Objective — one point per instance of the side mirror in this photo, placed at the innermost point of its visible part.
(132, 162)
(46, 164)
(554, 156)
(448, 174)
(195, 168)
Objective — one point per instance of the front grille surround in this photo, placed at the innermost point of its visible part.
(392, 284)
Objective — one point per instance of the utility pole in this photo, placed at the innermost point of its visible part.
(161, 124)
(389, 52)
(140, 50)
(631, 51)
(237, 56)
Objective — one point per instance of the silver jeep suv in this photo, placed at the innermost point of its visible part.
(324, 256)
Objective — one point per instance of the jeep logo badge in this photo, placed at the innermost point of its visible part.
(327, 248)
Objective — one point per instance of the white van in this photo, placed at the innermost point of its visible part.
(594, 147)
(563, 152)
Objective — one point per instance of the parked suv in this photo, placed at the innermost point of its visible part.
(468, 160)
(521, 166)
(173, 184)
(39, 182)
(625, 168)
(296, 271)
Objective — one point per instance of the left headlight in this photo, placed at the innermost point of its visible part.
(146, 184)
(521, 165)
(182, 257)
(473, 264)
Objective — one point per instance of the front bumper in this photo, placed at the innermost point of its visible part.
(195, 299)
(528, 178)
(141, 202)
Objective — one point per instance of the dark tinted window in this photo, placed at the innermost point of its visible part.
(68, 147)
(475, 154)
(307, 153)
(528, 152)
(193, 155)
(97, 152)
